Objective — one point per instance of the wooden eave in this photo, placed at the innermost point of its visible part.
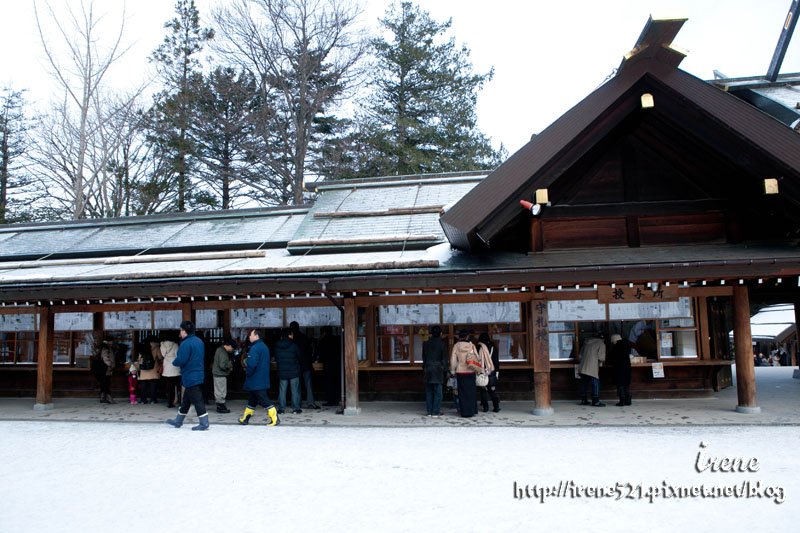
(489, 208)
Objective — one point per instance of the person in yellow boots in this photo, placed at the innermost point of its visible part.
(257, 380)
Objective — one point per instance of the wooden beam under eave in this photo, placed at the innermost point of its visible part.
(44, 371)
(351, 357)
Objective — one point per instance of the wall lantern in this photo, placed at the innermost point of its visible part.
(647, 101)
(770, 186)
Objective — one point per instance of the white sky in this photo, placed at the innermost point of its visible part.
(547, 56)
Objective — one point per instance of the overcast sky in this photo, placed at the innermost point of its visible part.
(547, 55)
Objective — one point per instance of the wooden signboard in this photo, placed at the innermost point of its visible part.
(636, 294)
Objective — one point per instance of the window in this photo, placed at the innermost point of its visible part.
(18, 347)
(677, 338)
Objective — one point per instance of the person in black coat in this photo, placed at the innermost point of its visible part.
(306, 362)
(287, 355)
(329, 349)
(621, 360)
(491, 349)
(434, 354)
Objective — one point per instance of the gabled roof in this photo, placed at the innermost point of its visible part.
(483, 214)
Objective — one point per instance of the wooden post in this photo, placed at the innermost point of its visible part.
(541, 359)
(796, 354)
(351, 357)
(44, 373)
(743, 345)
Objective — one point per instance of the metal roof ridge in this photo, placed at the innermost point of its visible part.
(413, 179)
(156, 218)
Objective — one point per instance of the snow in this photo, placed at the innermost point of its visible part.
(441, 252)
(122, 476)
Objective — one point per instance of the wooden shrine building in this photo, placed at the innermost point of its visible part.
(665, 208)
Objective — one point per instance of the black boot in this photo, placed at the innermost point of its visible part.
(584, 401)
(596, 402)
(628, 399)
(222, 408)
(496, 407)
(621, 402)
(485, 407)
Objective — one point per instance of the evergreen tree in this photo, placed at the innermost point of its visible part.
(420, 115)
(223, 133)
(14, 178)
(178, 65)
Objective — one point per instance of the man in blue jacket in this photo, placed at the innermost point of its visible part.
(191, 355)
(257, 380)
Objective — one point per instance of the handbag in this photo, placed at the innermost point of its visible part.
(493, 379)
(481, 379)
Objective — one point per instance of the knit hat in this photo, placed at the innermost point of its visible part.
(615, 338)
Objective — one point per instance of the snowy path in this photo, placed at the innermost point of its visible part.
(77, 476)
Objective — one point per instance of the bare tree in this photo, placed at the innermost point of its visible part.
(85, 114)
(305, 54)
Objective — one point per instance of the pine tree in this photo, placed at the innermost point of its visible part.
(420, 115)
(14, 178)
(223, 132)
(178, 65)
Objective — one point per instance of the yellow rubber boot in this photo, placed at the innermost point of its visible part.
(273, 417)
(246, 416)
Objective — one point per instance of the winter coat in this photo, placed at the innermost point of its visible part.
(169, 350)
(592, 352)
(488, 359)
(287, 354)
(107, 355)
(146, 375)
(462, 352)
(329, 349)
(306, 352)
(190, 359)
(222, 363)
(620, 357)
(434, 354)
(257, 367)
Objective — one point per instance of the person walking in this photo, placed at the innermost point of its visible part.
(287, 355)
(306, 363)
(620, 358)
(491, 364)
(463, 353)
(221, 369)
(257, 381)
(592, 353)
(434, 353)
(190, 359)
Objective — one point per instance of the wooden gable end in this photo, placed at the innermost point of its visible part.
(665, 175)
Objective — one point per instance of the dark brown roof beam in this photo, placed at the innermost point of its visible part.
(783, 41)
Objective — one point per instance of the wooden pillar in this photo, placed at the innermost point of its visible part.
(351, 357)
(541, 359)
(796, 353)
(743, 345)
(186, 309)
(44, 373)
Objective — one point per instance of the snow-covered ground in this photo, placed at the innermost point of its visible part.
(79, 476)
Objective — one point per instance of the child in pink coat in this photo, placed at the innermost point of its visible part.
(133, 382)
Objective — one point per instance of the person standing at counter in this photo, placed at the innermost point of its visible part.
(620, 357)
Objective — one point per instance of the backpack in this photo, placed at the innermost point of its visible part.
(148, 362)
